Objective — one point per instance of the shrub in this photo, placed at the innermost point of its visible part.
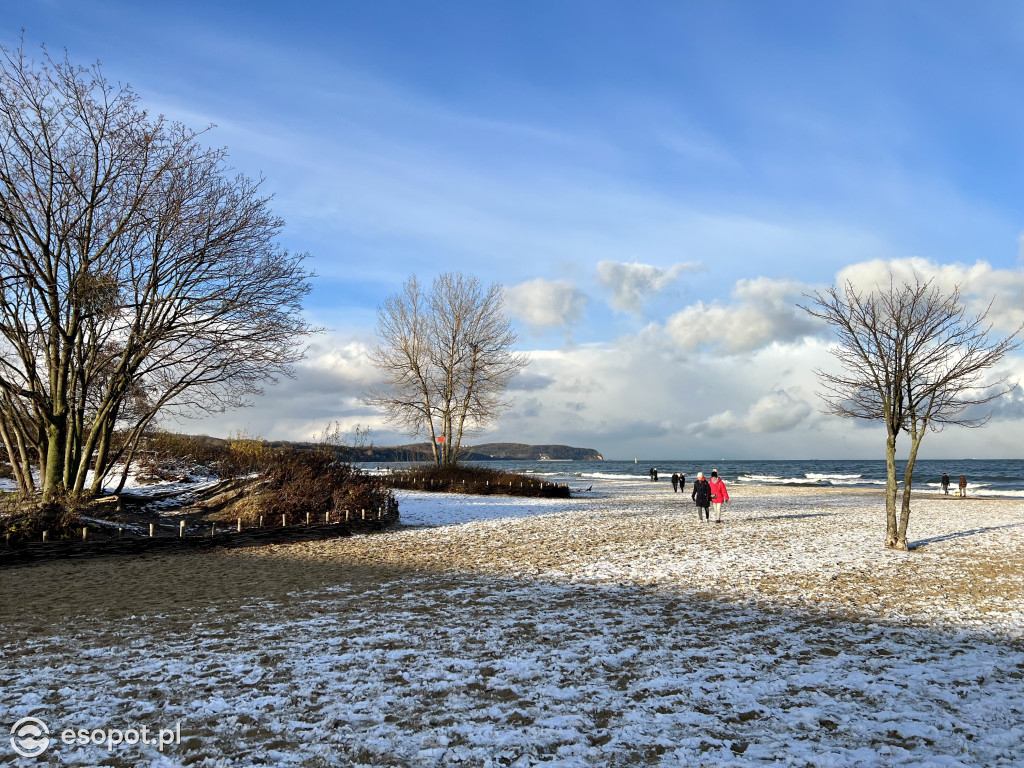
(296, 482)
(478, 480)
(26, 519)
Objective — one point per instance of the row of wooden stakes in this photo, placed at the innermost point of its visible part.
(213, 526)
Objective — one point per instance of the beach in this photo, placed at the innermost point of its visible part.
(608, 629)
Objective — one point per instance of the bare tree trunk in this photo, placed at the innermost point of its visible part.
(16, 466)
(133, 445)
(891, 533)
(916, 436)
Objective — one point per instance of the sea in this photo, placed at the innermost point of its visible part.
(985, 477)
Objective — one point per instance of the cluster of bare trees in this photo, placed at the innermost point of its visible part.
(911, 356)
(446, 356)
(138, 276)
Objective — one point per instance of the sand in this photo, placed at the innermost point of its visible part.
(493, 619)
(820, 550)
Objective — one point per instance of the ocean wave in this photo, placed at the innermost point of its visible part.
(809, 480)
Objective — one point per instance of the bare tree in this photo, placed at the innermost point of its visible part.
(910, 356)
(138, 275)
(446, 358)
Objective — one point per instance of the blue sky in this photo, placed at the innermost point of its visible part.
(655, 184)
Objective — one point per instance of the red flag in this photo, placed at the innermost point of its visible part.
(440, 439)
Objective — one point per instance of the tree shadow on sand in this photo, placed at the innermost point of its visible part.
(961, 534)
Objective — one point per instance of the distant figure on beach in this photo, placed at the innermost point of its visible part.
(719, 494)
(675, 482)
(963, 485)
(945, 483)
(701, 495)
(682, 482)
(654, 474)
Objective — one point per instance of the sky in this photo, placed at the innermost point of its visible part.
(656, 185)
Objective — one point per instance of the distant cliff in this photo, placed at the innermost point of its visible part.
(420, 452)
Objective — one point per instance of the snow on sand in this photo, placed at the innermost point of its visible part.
(608, 631)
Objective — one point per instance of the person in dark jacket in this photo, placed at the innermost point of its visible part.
(701, 495)
(682, 482)
(675, 482)
(945, 483)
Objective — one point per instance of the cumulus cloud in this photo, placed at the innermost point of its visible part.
(631, 284)
(530, 382)
(763, 311)
(979, 284)
(544, 304)
(777, 411)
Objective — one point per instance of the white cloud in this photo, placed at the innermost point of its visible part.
(763, 311)
(777, 411)
(631, 284)
(979, 284)
(544, 304)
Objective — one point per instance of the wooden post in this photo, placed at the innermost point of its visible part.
(327, 517)
(380, 512)
(45, 536)
(239, 525)
(346, 514)
(307, 518)
(213, 529)
(261, 521)
(8, 539)
(151, 530)
(181, 530)
(364, 513)
(85, 533)
(284, 520)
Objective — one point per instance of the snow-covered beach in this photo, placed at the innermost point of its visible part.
(611, 629)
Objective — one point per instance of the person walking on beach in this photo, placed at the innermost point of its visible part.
(701, 495)
(675, 482)
(945, 483)
(682, 482)
(719, 494)
(963, 485)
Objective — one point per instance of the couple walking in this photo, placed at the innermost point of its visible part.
(708, 492)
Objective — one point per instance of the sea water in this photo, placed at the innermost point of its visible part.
(985, 477)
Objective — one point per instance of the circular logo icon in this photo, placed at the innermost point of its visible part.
(30, 737)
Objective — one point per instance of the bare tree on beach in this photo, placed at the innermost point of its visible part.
(910, 356)
(138, 276)
(447, 358)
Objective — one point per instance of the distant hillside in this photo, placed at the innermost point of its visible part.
(420, 452)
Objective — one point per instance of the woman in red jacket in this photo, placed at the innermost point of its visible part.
(719, 494)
